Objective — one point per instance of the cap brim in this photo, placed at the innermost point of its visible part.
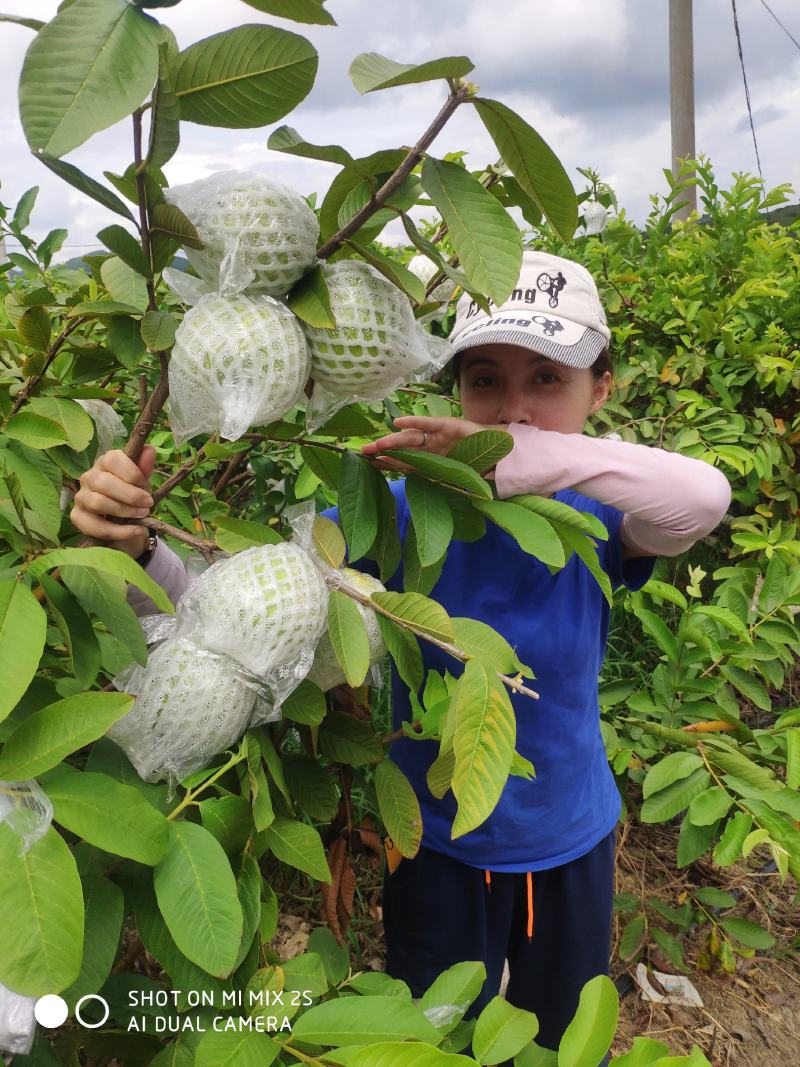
(579, 349)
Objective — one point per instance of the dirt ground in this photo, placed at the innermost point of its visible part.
(751, 1017)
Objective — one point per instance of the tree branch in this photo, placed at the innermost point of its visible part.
(167, 486)
(413, 156)
(34, 379)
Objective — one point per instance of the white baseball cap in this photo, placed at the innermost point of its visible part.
(554, 310)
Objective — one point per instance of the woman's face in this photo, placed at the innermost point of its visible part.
(499, 384)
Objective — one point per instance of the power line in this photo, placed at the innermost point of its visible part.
(794, 40)
(746, 87)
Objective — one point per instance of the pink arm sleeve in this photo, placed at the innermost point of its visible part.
(669, 500)
(166, 567)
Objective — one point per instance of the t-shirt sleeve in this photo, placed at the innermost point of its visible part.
(632, 573)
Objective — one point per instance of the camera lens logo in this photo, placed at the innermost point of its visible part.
(52, 1010)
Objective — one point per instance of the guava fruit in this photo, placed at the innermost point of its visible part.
(258, 234)
(238, 361)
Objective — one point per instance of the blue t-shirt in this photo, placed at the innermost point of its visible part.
(558, 625)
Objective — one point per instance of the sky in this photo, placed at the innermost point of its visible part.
(590, 75)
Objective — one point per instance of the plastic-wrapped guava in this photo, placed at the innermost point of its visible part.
(17, 1022)
(190, 705)
(265, 608)
(238, 361)
(325, 671)
(107, 424)
(425, 268)
(258, 235)
(376, 346)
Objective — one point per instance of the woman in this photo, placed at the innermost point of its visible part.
(534, 883)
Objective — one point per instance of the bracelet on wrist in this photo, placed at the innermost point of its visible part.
(149, 549)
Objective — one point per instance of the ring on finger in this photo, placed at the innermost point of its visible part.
(424, 438)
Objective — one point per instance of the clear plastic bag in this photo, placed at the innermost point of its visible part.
(17, 1023)
(108, 425)
(326, 673)
(258, 235)
(425, 268)
(26, 809)
(190, 705)
(238, 362)
(376, 346)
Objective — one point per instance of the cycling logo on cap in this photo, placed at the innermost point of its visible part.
(552, 286)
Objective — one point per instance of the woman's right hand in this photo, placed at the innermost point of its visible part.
(115, 485)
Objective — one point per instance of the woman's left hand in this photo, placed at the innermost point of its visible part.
(423, 433)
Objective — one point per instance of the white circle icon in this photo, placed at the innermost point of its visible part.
(50, 1010)
(82, 1001)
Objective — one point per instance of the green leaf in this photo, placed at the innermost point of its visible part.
(325, 464)
(100, 308)
(631, 938)
(170, 221)
(107, 814)
(670, 769)
(310, 300)
(501, 1031)
(456, 987)
(348, 634)
(35, 431)
(587, 552)
(416, 577)
(399, 807)
(657, 629)
(165, 121)
(435, 255)
(328, 541)
(747, 932)
(671, 800)
(532, 533)
(40, 950)
(125, 285)
(445, 470)
(729, 847)
(23, 626)
(89, 67)
(46, 736)
(286, 139)
(404, 650)
(22, 212)
(370, 71)
(73, 424)
(425, 615)
(379, 163)
(793, 758)
(311, 786)
(563, 514)
(713, 897)
(432, 519)
(158, 330)
(710, 806)
(104, 909)
(645, 1053)
(386, 548)
(248, 76)
(479, 639)
(299, 845)
(747, 685)
(306, 704)
(34, 329)
(482, 450)
(485, 237)
(364, 1020)
(397, 1053)
(309, 11)
(588, 1037)
(235, 1048)
(123, 244)
(103, 595)
(82, 182)
(344, 739)
(533, 163)
(358, 511)
(196, 893)
(485, 734)
(76, 629)
(107, 560)
(395, 272)
(725, 616)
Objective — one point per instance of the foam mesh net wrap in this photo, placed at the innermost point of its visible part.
(376, 346)
(325, 671)
(238, 362)
(190, 704)
(258, 235)
(265, 608)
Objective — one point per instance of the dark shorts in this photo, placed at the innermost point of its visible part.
(438, 912)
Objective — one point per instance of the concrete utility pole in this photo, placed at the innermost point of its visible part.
(681, 92)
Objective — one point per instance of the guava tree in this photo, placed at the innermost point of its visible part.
(129, 866)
